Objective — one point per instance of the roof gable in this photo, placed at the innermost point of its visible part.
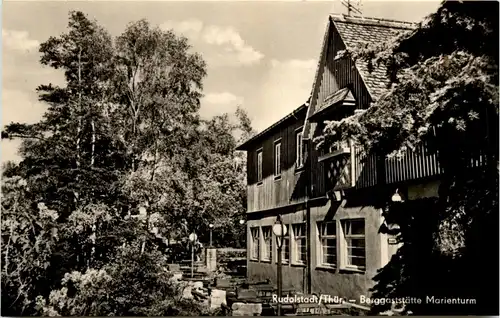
(354, 31)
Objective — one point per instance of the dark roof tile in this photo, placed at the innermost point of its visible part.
(355, 31)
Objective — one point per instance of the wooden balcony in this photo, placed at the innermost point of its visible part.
(348, 167)
(338, 166)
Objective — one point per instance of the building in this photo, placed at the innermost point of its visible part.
(330, 202)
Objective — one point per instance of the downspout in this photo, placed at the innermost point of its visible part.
(308, 217)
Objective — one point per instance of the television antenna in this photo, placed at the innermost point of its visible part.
(352, 6)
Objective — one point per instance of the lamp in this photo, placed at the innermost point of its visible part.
(242, 222)
(211, 226)
(396, 197)
(279, 230)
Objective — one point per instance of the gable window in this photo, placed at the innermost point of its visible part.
(254, 243)
(354, 237)
(328, 242)
(299, 155)
(299, 247)
(277, 158)
(267, 233)
(259, 165)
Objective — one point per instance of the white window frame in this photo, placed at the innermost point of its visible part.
(267, 243)
(299, 148)
(299, 232)
(347, 245)
(254, 243)
(322, 235)
(277, 158)
(260, 158)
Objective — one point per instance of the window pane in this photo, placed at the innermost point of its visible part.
(277, 158)
(357, 227)
(329, 251)
(267, 248)
(357, 261)
(303, 250)
(259, 166)
(356, 242)
(330, 228)
(286, 250)
(255, 243)
(330, 259)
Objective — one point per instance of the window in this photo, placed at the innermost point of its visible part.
(300, 248)
(255, 247)
(267, 233)
(285, 249)
(328, 240)
(277, 158)
(259, 166)
(299, 156)
(354, 234)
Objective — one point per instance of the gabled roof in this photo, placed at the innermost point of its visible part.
(354, 31)
(244, 146)
(357, 30)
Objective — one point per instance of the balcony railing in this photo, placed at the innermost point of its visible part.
(346, 166)
(336, 149)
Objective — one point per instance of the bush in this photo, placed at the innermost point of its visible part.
(133, 285)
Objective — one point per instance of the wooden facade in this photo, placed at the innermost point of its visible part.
(336, 185)
(345, 170)
(276, 190)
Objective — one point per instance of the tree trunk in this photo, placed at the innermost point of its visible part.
(92, 160)
(79, 126)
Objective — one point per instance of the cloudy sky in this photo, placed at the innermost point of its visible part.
(260, 55)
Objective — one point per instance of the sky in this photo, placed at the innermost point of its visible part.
(261, 55)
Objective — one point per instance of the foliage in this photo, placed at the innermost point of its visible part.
(120, 166)
(444, 93)
(29, 234)
(133, 284)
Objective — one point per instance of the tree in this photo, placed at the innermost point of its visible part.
(444, 91)
(123, 134)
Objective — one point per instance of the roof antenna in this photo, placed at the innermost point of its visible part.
(352, 6)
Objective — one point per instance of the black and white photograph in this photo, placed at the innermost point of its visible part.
(250, 158)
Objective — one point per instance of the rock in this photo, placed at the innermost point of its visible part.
(217, 298)
(174, 267)
(176, 276)
(186, 292)
(242, 309)
(247, 294)
(197, 285)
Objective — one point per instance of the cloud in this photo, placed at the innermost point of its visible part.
(222, 98)
(219, 103)
(18, 40)
(221, 46)
(287, 86)
(189, 28)
(231, 41)
(20, 106)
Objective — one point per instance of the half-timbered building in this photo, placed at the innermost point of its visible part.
(328, 199)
